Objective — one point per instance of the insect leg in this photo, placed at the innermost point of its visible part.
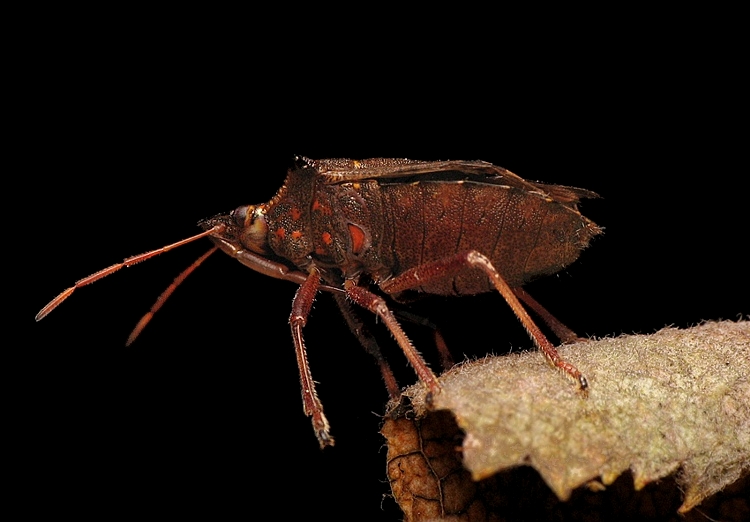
(450, 266)
(446, 359)
(370, 345)
(301, 306)
(565, 334)
(377, 305)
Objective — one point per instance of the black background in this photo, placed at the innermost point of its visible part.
(140, 136)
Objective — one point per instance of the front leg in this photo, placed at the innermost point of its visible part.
(301, 306)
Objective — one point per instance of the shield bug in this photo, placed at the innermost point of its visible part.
(364, 230)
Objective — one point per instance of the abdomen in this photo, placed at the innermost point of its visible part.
(525, 234)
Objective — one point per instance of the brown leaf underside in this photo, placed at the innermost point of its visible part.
(677, 400)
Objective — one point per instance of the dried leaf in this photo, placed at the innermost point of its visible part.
(675, 401)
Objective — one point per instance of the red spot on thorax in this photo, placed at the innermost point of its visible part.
(358, 238)
(296, 213)
(319, 207)
(280, 233)
(327, 239)
(297, 234)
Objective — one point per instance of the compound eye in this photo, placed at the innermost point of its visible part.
(239, 215)
(255, 229)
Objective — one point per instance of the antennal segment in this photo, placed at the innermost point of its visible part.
(218, 229)
(165, 295)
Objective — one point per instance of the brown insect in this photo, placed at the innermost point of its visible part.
(444, 227)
